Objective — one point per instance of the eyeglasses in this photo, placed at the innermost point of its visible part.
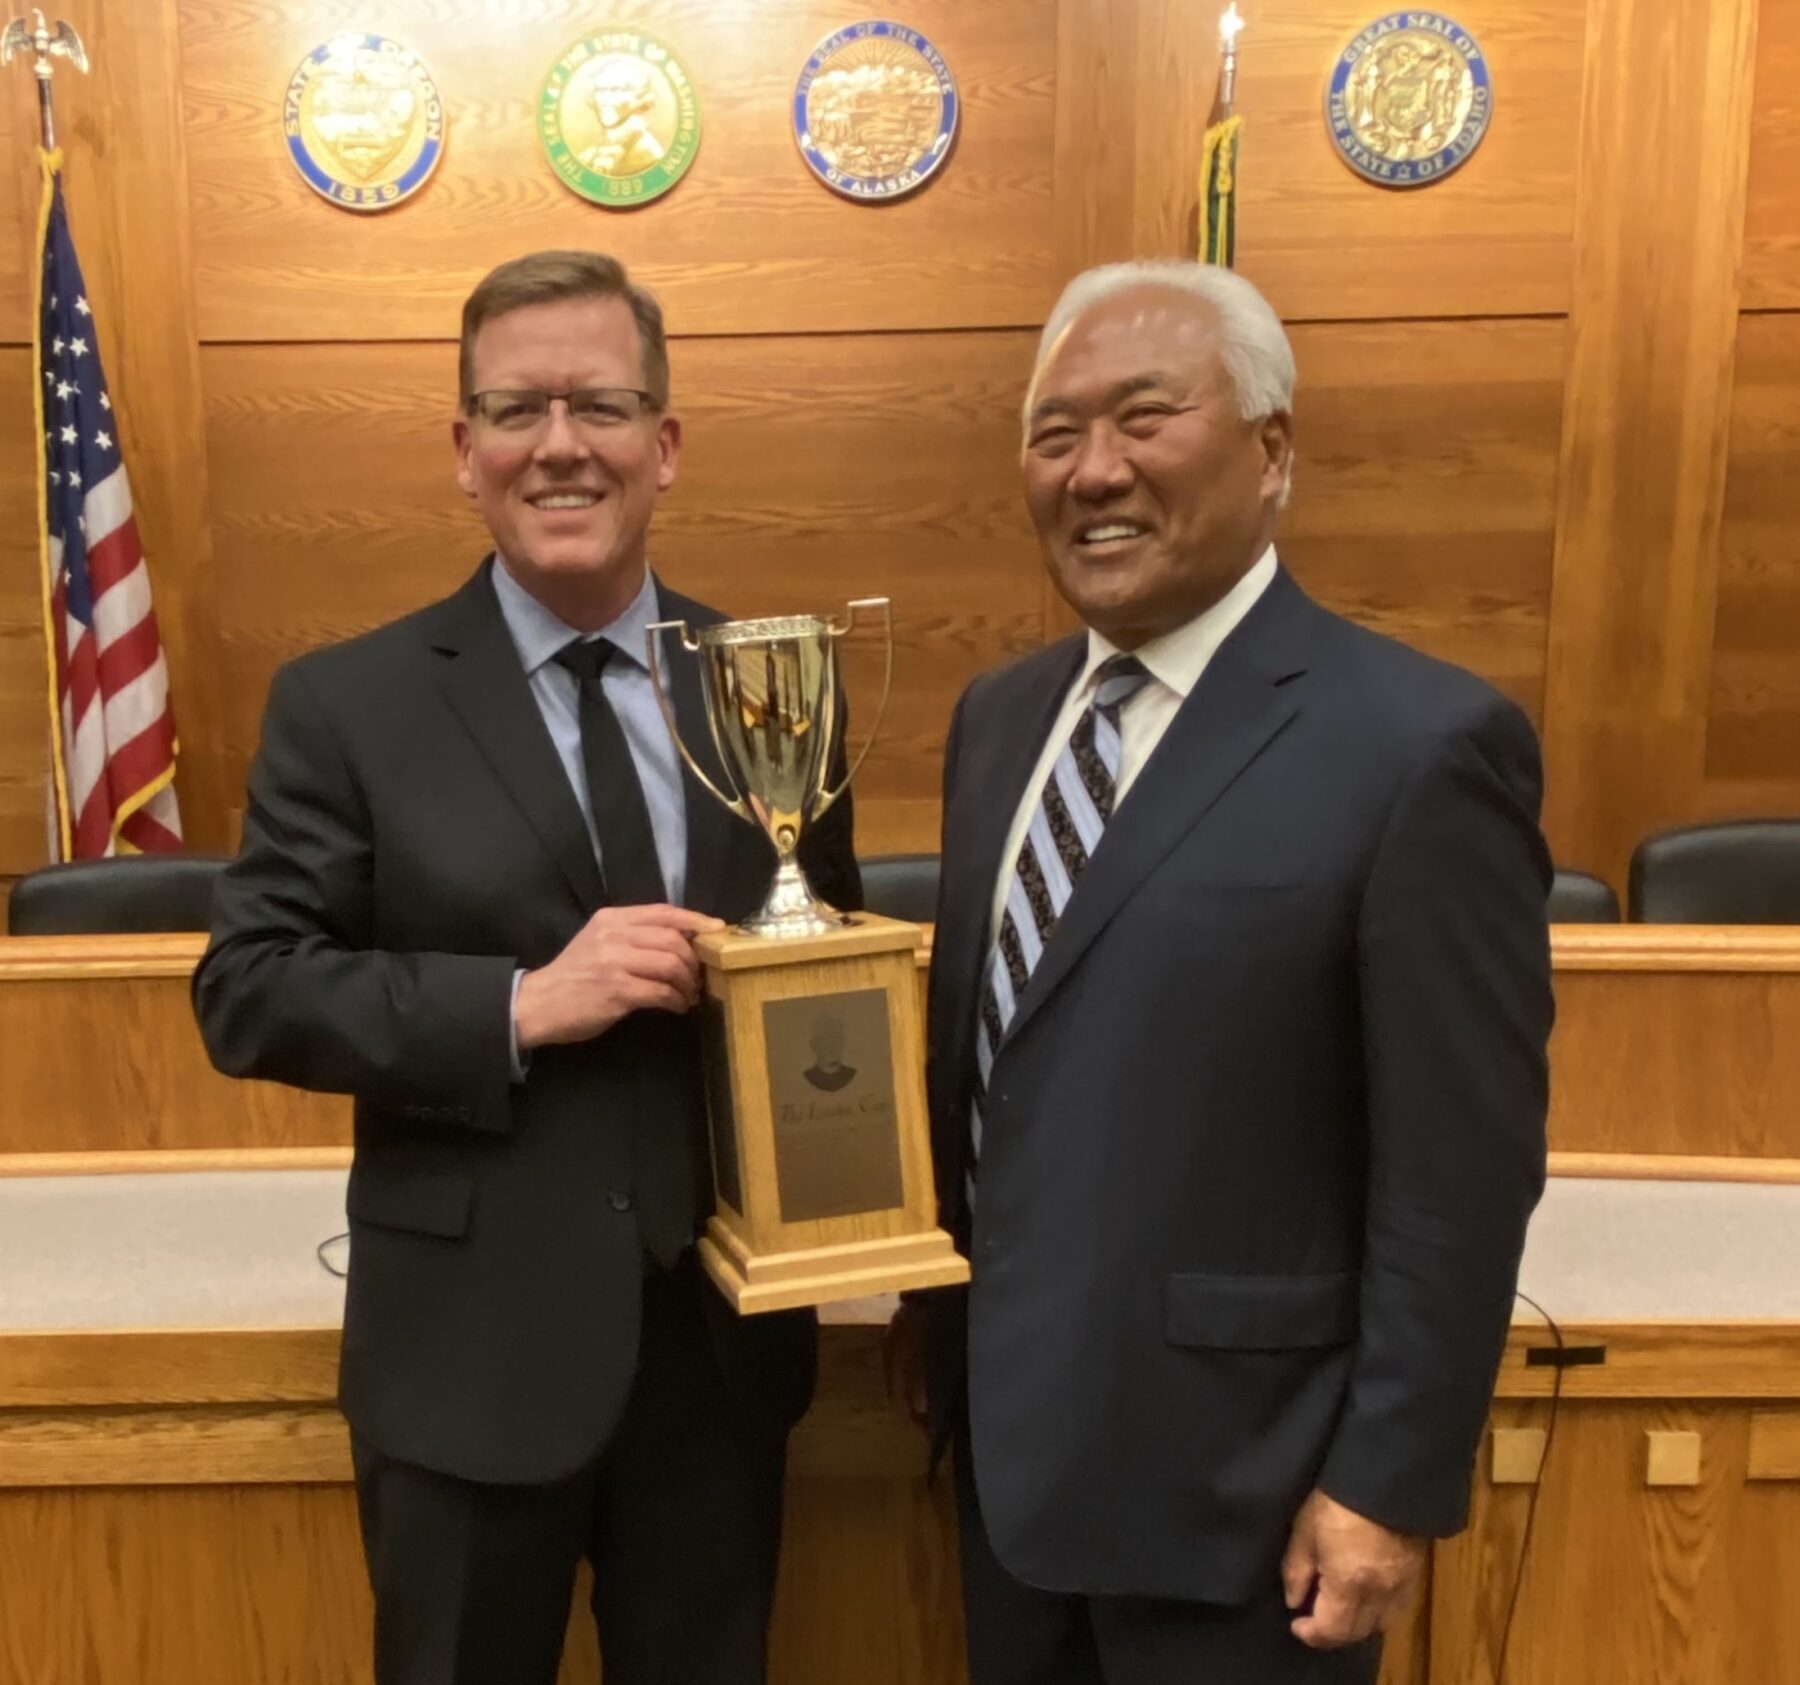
(589, 406)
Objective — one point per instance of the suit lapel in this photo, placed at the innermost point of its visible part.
(487, 688)
(995, 762)
(1244, 700)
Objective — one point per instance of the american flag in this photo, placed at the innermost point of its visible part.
(113, 731)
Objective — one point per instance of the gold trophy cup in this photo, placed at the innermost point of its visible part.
(814, 1054)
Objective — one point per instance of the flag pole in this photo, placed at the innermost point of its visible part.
(45, 45)
(1219, 153)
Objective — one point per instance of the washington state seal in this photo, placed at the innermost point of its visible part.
(619, 118)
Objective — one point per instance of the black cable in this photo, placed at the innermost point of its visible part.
(328, 1265)
(1531, 1507)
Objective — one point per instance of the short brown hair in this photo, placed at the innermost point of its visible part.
(544, 278)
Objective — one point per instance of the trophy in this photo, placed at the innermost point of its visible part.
(810, 1025)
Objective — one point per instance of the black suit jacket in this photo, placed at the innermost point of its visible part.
(1265, 1130)
(411, 839)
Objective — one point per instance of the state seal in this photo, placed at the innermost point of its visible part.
(364, 123)
(875, 110)
(619, 118)
(1409, 99)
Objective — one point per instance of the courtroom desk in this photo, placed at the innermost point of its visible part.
(1670, 1039)
(174, 1499)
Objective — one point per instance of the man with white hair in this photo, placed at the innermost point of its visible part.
(1239, 1007)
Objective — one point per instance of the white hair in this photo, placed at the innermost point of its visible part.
(1253, 345)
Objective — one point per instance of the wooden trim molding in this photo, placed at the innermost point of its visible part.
(1673, 1167)
(38, 959)
(151, 1161)
(1675, 947)
(1748, 1359)
(184, 1447)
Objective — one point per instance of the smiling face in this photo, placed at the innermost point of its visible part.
(569, 506)
(1151, 493)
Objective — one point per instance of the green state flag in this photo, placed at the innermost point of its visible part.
(1218, 192)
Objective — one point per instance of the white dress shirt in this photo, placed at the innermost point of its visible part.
(1175, 662)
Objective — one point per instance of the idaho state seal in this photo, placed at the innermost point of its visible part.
(1409, 99)
(875, 110)
(364, 123)
(619, 118)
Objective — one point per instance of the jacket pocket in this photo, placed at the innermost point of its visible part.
(422, 1199)
(1260, 1312)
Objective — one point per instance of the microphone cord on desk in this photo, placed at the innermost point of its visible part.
(1531, 1506)
(329, 1267)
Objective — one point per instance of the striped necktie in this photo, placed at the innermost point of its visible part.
(1064, 832)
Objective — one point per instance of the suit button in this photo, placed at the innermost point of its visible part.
(619, 1200)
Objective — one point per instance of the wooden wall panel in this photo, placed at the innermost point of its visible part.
(1431, 340)
(1494, 240)
(1672, 1586)
(1753, 717)
(1425, 485)
(1772, 207)
(126, 187)
(24, 681)
(1645, 416)
(747, 242)
(814, 471)
(18, 202)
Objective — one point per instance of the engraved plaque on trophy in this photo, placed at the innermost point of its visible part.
(815, 1057)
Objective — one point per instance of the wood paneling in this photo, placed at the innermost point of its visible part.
(1686, 1063)
(154, 1087)
(175, 1585)
(1645, 414)
(1425, 486)
(125, 183)
(748, 241)
(1493, 240)
(1753, 716)
(813, 472)
(1772, 210)
(18, 200)
(1672, 1586)
(1136, 77)
(220, 1570)
(24, 679)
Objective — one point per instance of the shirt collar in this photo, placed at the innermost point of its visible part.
(1177, 659)
(538, 633)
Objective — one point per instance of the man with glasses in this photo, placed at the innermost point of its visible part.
(471, 872)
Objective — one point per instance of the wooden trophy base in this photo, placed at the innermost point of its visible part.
(821, 1148)
(853, 1270)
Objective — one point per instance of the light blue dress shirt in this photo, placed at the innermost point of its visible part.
(538, 634)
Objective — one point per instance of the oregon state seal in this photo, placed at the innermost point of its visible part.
(364, 123)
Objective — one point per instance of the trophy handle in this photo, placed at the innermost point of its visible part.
(827, 797)
(652, 655)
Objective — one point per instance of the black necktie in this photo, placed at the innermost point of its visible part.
(627, 844)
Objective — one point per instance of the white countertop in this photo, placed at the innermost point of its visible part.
(228, 1249)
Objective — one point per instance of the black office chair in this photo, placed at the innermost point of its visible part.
(1582, 898)
(1746, 871)
(901, 886)
(129, 893)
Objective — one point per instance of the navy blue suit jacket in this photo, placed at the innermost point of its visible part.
(1265, 1131)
